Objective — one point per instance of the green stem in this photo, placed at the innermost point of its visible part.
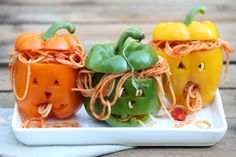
(57, 26)
(134, 32)
(137, 84)
(191, 14)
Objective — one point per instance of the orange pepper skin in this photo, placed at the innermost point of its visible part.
(49, 40)
(34, 41)
(49, 83)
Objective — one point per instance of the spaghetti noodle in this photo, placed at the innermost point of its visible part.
(154, 121)
(180, 48)
(103, 88)
(191, 90)
(41, 123)
(203, 124)
(45, 109)
(193, 97)
(73, 58)
(189, 121)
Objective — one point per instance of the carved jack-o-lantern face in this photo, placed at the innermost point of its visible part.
(201, 68)
(44, 70)
(131, 107)
(49, 83)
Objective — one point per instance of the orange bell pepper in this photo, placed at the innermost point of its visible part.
(36, 82)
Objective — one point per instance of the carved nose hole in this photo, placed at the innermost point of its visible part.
(131, 104)
(48, 94)
(181, 65)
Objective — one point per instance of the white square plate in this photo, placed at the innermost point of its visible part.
(162, 134)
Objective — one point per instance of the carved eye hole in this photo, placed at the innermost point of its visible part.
(201, 67)
(35, 81)
(139, 93)
(123, 93)
(181, 65)
(56, 83)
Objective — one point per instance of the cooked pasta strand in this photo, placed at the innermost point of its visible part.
(181, 48)
(105, 86)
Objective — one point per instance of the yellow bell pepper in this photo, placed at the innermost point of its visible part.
(203, 67)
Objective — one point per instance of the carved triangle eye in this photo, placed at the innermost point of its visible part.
(181, 65)
(35, 81)
(56, 83)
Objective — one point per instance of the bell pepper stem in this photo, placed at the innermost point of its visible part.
(137, 84)
(134, 32)
(57, 26)
(191, 14)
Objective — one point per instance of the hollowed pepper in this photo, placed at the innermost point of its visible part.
(202, 68)
(48, 82)
(119, 58)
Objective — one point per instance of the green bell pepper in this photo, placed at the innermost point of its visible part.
(108, 58)
(122, 56)
(124, 116)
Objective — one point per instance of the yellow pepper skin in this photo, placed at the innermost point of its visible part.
(207, 78)
(169, 31)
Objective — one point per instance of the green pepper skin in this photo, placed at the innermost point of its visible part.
(109, 58)
(146, 104)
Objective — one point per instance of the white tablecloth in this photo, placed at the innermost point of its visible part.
(11, 147)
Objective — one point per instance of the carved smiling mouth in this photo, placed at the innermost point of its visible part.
(193, 98)
(44, 109)
(138, 120)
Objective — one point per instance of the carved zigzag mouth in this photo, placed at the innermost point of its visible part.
(128, 118)
(141, 120)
